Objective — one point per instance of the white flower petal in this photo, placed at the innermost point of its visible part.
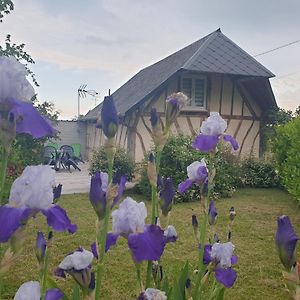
(222, 253)
(192, 169)
(129, 217)
(29, 291)
(214, 125)
(13, 82)
(155, 294)
(78, 260)
(34, 188)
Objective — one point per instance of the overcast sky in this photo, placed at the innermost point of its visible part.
(105, 42)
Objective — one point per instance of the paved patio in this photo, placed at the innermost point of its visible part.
(76, 181)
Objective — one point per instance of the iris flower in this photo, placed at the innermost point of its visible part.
(17, 114)
(31, 193)
(197, 173)
(32, 290)
(212, 213)
(78, 265)
(211, 131)
(146, 242)
(152, 294)
(221, 255)
(286, 241)
(166, 194)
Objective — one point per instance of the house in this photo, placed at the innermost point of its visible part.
(215, 73)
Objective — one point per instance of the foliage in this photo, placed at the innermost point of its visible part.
(258, 173)
(178, 154)
(286, 149)
(275, 117)
(123, 164)
(6, 6)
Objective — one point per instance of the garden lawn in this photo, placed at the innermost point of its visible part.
(259, 269)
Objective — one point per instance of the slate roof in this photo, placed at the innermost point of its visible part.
(215, 53)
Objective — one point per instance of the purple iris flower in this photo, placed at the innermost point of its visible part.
(78, 265)
(166, 194)
(211, 131)
(286, 240)
(197, 173)
(54, 294)
(40, 246)
(98, 190)
(212, 213)
(109, 117)
(221, 255)
(146, 242)
(174, 103)
(31, 193)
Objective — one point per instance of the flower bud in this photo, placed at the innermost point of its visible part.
(232, 213)
(40, 247)
(109, 117)
(212, 213)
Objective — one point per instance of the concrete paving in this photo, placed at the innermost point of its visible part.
(78, 181)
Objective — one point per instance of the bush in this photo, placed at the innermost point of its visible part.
(286, 149)
(259, 174)
(178, 154)
(123, 164)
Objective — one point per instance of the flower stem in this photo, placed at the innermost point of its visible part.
(102, 239)
(5, 155)
(44, 272)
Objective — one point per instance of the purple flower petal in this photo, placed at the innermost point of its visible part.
(29, 120)
(111, 240)
(202, 173)
(98, 195)
(148, 245)
(109, 117)
(286, 240)
(166, 194)
(231, 140)
(205, 143)
(94, 250)
(227, 277)
(185, 185)
(10, 219)
(57, 219)
(53, 294)
(212, 213)
(120, 190)
(60, 273)
(206, 255)
(234, 259)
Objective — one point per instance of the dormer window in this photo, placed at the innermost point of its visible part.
(194, 86)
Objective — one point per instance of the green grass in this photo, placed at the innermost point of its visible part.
(259, 269)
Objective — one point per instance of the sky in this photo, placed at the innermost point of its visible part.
(103, 43)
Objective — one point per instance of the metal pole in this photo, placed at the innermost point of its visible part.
(78, 104)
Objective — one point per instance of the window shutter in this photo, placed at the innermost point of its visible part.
(199, 92)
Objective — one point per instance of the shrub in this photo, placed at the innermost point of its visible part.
(258, 173)
(123, 164)
(286, 149)
(178, 154)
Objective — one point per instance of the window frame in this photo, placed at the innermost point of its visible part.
(191, 105)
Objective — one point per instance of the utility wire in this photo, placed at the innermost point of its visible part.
(274, 49)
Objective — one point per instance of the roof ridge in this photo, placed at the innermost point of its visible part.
(210, 37)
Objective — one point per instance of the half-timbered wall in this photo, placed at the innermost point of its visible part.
(225, 95)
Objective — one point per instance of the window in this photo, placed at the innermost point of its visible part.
(195, 88)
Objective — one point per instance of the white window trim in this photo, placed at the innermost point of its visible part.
(191, 105)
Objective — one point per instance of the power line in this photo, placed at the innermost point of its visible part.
(274, 49)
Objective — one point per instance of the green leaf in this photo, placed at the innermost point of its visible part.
(178, 290)
(76, 292)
